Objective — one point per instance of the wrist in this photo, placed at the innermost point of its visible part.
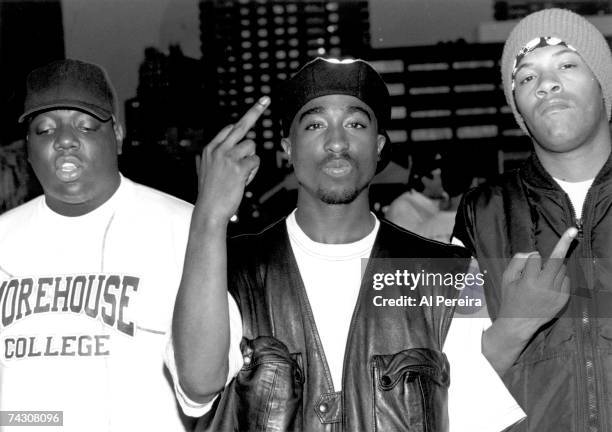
(210, 222)
(517, 329)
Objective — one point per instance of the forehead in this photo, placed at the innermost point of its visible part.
(335, 102)
(546, 53)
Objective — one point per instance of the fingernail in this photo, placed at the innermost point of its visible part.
(264, 100)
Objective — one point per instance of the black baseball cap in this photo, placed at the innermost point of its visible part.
(322, 77)
(70, 84)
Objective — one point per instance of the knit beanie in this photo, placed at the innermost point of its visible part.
(572, 29)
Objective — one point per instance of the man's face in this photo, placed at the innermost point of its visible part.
(74, 156)
(559, 98)
(334, 145)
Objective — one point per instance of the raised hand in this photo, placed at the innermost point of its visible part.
(533, 292)
(227, 165)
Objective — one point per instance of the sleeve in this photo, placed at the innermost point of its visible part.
(196, 409)
(464, 222)
(477, 399)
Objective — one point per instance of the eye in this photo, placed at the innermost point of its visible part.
(524, 79)
(568, 65)
(87, 126)
(44, 129)
(356, 125)
(313, 126)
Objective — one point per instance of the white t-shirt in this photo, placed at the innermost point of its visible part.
(577, 192)
(85, 308)
(478, 399)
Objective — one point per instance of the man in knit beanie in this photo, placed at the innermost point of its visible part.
(543, 233)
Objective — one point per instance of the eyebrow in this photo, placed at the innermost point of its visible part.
(558, 53)
(350, 109)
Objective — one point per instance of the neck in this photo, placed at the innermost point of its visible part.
(580, 164)
(334, 223)
(81, 207)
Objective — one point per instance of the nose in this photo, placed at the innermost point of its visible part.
(548, 83)
(66, 139)
(336, 140)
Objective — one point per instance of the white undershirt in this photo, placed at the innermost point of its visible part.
(332, 277)
(577, 192)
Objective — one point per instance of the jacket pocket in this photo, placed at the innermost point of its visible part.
(410, 391)
(269, 386)
(265, 395)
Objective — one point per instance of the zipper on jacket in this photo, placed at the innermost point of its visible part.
(577, 220)
(589, 367)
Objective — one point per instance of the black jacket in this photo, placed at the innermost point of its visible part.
(395, 375)
(563, 378)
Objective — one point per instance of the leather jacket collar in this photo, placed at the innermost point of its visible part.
(536, 176)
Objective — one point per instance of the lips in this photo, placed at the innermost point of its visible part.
(553, 106)
(337, 167)
(68, 168)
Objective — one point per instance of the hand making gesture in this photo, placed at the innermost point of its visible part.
(227, 165)
(532, 295)
(535, 292)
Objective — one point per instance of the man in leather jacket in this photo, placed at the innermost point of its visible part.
(331, 340)
(551, 338)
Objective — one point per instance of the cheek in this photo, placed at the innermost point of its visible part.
(521, 102)
(39, 154)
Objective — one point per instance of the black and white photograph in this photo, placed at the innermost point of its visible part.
(306, 215)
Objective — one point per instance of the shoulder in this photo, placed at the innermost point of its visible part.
(277, 231)
(490, 196)
(158, 204)
(399, 240)
(18, 215)
(489, 191)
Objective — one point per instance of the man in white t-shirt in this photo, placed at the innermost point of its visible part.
(550, 339)
(88, 271)
(335, 337)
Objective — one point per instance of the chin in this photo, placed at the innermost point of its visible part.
(344, 196)
(559, 143)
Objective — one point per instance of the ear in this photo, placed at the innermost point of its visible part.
(380, 143)
(286, 145)
(118, 135)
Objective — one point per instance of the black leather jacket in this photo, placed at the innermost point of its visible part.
(563, 378)
(395, 375)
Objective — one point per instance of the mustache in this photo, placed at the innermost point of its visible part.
(342, 156)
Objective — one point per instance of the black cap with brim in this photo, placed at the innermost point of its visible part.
(92, 110)
(69, 84)
(323, 77)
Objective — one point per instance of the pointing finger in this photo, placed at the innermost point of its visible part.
(558, 254)
(247, 121)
